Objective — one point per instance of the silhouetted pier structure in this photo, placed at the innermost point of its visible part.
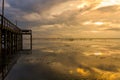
(11, 44)
(28, 32)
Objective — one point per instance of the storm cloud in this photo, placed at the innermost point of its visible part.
(34, 5)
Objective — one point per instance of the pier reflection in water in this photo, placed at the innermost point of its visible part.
(63, 59)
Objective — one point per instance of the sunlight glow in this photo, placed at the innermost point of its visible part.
(82, 5)
(93, 23)
(98, 53)
(94, 54)
(106, 75)
(98, 23)
(105, 3)
(82, 71)
(87, 23)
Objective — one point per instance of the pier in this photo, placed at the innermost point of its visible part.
(11, 44)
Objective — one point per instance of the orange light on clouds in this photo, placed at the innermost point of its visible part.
(99, 23)
(82, 5)
(105, 3)
(94, 31)
(98, 53)
(82, 71)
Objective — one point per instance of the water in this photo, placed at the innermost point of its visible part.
(70, 59)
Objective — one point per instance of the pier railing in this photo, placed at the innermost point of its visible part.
(11, 43)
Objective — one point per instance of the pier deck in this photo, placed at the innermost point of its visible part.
(11, 43)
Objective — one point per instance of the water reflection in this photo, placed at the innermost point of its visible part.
(94, 54)
(94, 57)
(74, 60)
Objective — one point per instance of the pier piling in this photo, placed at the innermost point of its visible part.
(11, 43)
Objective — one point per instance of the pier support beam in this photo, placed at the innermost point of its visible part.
(28, 32)
(11, 43)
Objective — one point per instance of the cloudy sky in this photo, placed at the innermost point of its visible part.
(67, 18)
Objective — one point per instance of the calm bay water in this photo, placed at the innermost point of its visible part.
(70, 59)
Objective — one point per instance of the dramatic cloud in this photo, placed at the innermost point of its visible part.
(66, 18)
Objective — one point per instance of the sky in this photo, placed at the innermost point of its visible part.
(66, 18)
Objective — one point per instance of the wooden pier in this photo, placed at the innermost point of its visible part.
(11, 43)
